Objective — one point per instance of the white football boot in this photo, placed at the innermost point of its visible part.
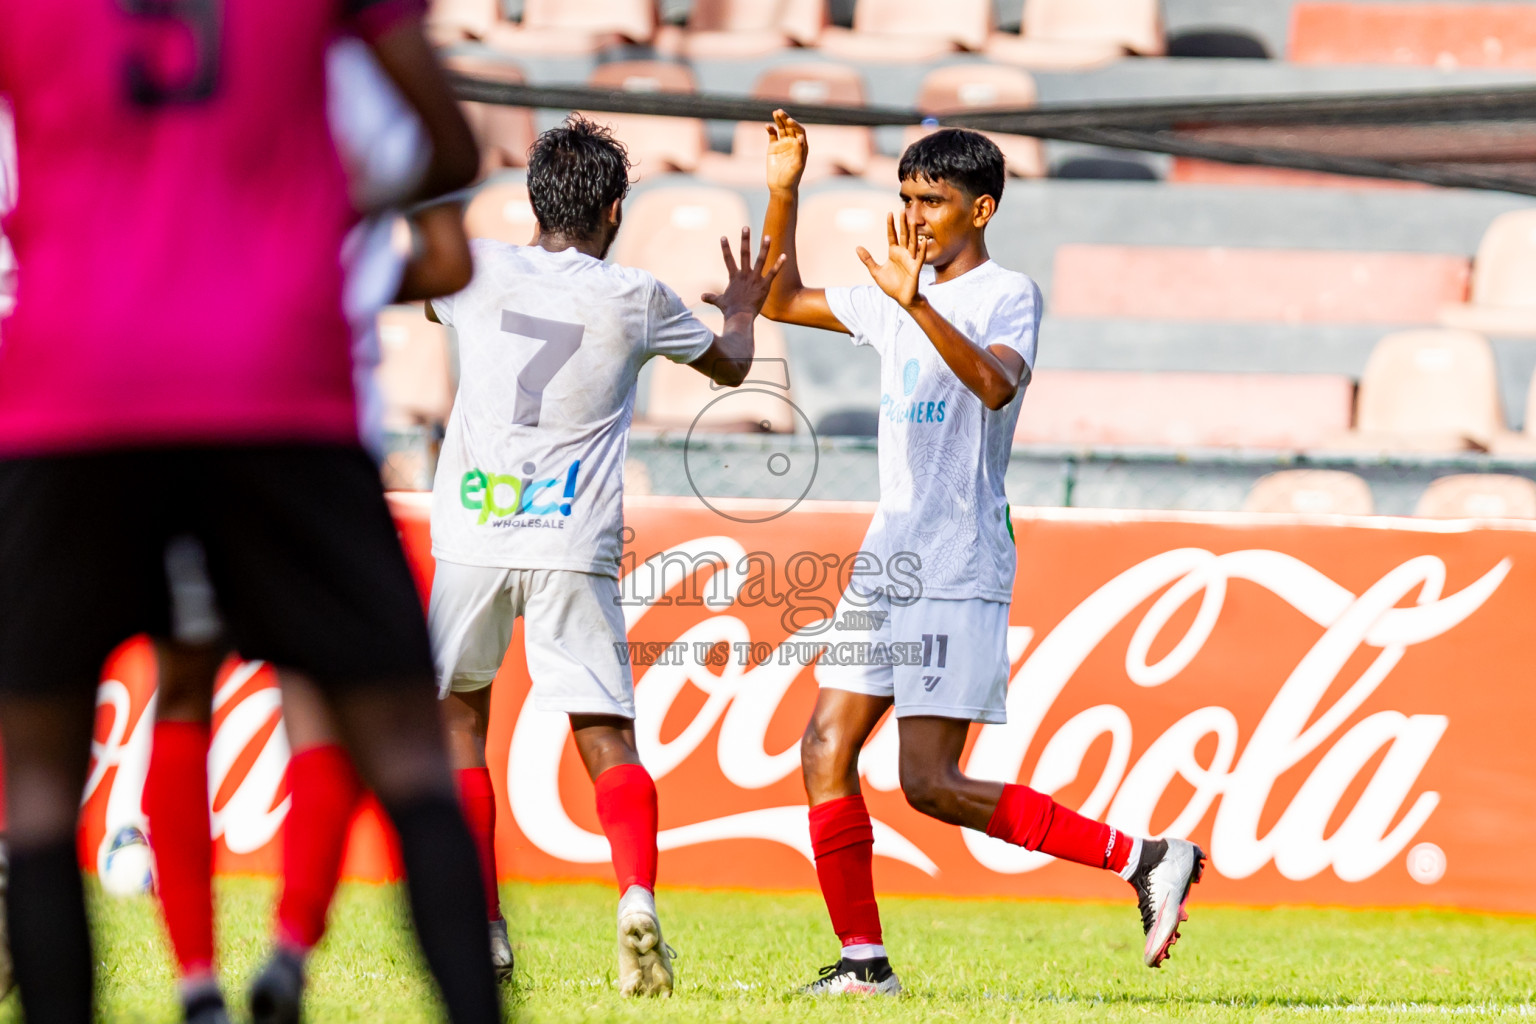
(501, 951)
(1167, 868)
(855, 978)
(645, 960)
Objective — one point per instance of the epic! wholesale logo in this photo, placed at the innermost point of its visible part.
(502, 496)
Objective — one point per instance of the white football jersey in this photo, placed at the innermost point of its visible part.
(531, 475)
(941, 528)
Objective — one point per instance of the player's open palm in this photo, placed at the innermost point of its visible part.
(747, 288)
(787, 152)
(898, 275)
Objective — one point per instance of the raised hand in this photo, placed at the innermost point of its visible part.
(787, 151)
(898, 275)
(747, 288)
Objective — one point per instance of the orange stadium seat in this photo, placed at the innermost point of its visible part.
(731, 29)
(1190, 171)
(453, 21)
(1435, 389)
(1270, 285)
(1443, 35)
(1066, 34)
(675, 234)
(1503, 280)
(1479, 496)
(680, 396)
(656, 144)
(833, 224)
(504, 133)
(501, 211)
(907, 30)
(969, 87)
(414, 370)
(575, 27)
(835, 149)
(1311, 491)
(1183, 410)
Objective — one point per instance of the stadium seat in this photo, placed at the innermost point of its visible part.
(908, 31)
(734, 29)
(1445, 35)
(453, 21)
(504, 133)
(680, 397)
(501, 211)
(675, 234)
(1069, 34)
(835, 149)
(962, 88)
(1479, 496)
(1311, 491)
(1503, 280)
(656, 144)
(1216, 43)
(1435, 389)
(575, 27)
(414, 370)
(833, 224)
(1190, 171)
(1183, 410)
(1254, 285)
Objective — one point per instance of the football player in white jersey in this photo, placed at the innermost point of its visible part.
(527, 504)
(956, 335)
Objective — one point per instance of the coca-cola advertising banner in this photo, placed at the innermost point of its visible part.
(1338, 710)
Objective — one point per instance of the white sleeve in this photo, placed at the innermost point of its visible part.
(864, 310)
(1015, 322)
(673, 331)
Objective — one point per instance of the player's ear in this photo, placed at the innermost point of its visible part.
(982, 209)
(614, 215)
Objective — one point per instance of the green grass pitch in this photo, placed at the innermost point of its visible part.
(741, 955)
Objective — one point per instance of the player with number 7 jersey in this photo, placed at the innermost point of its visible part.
(527, 505)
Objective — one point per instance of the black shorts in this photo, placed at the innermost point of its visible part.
(305, 563)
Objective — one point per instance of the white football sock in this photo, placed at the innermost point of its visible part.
(863, 951)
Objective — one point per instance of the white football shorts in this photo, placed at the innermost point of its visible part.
(938, 657)
(572, 623)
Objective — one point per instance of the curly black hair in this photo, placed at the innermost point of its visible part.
(968, 160)
(575, 172)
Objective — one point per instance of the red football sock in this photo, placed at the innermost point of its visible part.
(844, 843)
(1034, 821)
(176, 806)
(626, 806)
(479, 802)
(325, 790)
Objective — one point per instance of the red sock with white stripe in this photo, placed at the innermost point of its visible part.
(1034, 821)
(325, 790)
(626, 806)
(843, 841)
(176, 806)
(478, 799)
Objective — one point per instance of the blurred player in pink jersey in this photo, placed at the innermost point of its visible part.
(179, 348)
(385, 152)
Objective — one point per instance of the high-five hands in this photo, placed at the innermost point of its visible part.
(787, 151)
(898, 275)
(747, 288)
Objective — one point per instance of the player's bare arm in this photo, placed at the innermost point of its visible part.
(790, 301)
(994, 373)
(730, 357)
(407, 56)
(440, 262)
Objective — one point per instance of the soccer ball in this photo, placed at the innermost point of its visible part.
(128, 865)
